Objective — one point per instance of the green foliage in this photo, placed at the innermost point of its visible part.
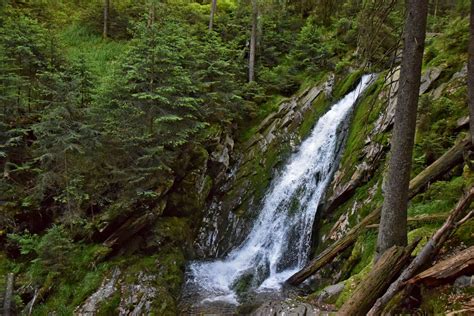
(440, 197)
(92, 130)
(312, 52)
(450, 47)
(52, 253)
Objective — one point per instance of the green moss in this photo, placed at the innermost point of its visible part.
(243, 284)
(440, 197)
(110, 306)
(365, 114)
(450, 48)
(318, 108)
(347, 84)
(249, 130)
(439, 300)
(171, 270)
(366, 250)
(465, 233)
(351, 285)
(424, 233)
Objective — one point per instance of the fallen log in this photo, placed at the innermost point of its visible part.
(430, 249)
(447, 270)
(39, 295)
(332, 251)
(378, 279)
(7, 303)
(446, 162)
(416, 220)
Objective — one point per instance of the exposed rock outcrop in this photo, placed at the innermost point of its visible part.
(236, 195)
(288, 308)
(375, 145)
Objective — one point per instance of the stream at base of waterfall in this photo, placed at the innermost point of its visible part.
(278, 245)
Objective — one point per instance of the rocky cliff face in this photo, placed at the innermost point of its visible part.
(357, 187)
(205, 206)
(237, 196)
(213, 195)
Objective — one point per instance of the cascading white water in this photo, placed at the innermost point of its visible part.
(278, 243)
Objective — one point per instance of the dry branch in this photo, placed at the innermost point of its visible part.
(427, 252)
(448, 270)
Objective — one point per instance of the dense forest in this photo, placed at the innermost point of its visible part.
(139, 138)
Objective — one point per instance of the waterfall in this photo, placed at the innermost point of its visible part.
(279, 241)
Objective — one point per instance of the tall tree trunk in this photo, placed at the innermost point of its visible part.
(105, 33)
(213, 12)
(151, 15)
(253, 41)
(393, 222)
(470, 75)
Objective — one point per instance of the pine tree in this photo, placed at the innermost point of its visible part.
(393, 223)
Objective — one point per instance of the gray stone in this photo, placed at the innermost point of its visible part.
(464, 281)
(104, 292)
(331, 292)
(287, 308)
(428, 77)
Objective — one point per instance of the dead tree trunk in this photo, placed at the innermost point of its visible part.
(377, 281)
(427, 252)
(213, 12)
(393, 222)
(332, 251)
(253, 41)
(449, 160)
(105, 32)
(7, 303)
(470, 74)
(461, 263)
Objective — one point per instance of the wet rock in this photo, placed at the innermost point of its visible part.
(137, 298)
(188, 195)
(428, 77)
(129, 229)
(464, 281)
(230, 212)
(462, 74)
(373, 151)
(287, 309)
(462, 122)
(92, 304)
(221, 154)
(330, 293)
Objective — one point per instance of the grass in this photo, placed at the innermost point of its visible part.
(99, 54)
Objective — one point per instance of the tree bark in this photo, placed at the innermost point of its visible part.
(105, 32)
(428, 251)
(393, 223)
(449, 160)
(7, 303)
(253, 41)
(332, 251)
(470, 74)
(461, 263)
(213, 12)
(378, 279)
